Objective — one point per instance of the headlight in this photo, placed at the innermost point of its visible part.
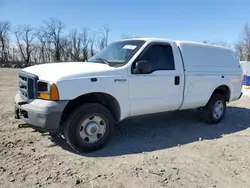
(47, 90)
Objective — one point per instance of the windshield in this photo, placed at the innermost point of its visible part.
(117, 53)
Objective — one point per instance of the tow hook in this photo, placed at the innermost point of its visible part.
(23, 126)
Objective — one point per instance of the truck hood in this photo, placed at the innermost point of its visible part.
(70, 70)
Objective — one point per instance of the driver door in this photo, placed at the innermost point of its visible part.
(159, 90)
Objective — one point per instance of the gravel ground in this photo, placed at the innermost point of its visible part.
(164, 150)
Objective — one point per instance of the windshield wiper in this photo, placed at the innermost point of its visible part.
(103, 60)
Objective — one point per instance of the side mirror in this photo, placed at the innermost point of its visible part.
(142, 67)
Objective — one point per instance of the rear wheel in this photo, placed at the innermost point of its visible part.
(215, 110)
(89, 127)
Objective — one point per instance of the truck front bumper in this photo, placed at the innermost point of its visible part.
(40, 114)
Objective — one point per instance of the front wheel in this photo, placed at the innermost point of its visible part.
(215, 110)
(89, 127)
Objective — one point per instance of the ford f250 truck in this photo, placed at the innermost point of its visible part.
(128, 78)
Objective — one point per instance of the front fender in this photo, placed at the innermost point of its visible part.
(71, 89)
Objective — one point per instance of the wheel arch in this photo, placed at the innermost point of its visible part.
(105, 99)
(223, 90)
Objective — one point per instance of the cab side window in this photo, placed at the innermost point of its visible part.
(160, 56)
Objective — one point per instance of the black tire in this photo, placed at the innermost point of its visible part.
(208, 110)
(73, 125)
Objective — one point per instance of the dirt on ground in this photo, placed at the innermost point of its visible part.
(166, 150)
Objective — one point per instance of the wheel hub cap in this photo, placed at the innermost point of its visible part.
(92, 128)
(218, 109)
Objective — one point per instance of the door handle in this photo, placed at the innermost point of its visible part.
(177, 80)
(120, 80)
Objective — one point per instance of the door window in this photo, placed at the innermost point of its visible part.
(160, 56)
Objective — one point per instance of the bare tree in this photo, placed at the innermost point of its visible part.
(240, 51)
(25, 37)
(74, 45)
(246, 40)
(36, 58)
(4, 40)
(45, 45)
(85, 42)
(102, 40)
(242, 47)
(91, 44)
(66, 50)
(52, 31)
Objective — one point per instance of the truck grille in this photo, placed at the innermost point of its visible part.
(27, 86)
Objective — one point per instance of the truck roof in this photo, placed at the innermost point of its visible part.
(203, 57)
(178, 42)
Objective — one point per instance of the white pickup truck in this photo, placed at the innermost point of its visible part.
(132, 77)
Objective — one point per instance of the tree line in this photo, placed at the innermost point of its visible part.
(27, 45)
(49, 43)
